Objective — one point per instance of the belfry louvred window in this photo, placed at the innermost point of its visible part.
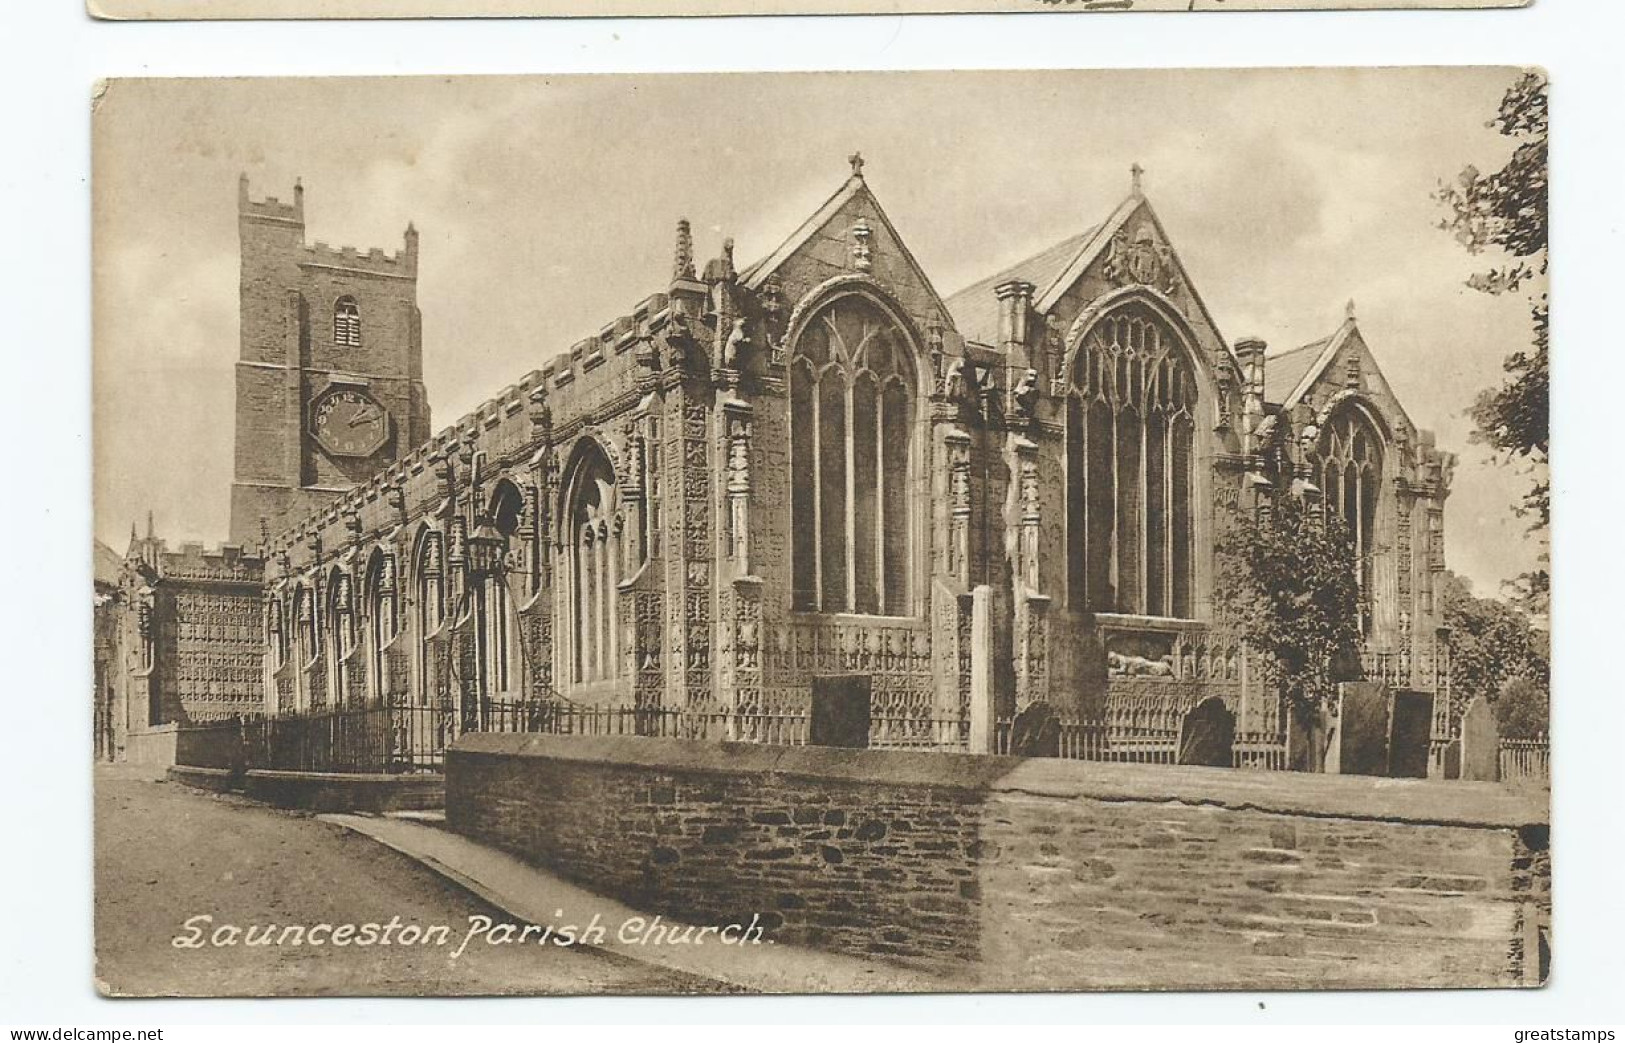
(851, 433)
(347, 323)
(1130, 468)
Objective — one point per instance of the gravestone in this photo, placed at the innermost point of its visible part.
(840, 711)
(1410, 732)
(1036, 732)
(1207, 735)
(1450, 760)
(1480, 743)
(1362, 730)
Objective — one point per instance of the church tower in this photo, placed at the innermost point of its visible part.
(330, 371)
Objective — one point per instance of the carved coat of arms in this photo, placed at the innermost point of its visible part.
(1141, 260)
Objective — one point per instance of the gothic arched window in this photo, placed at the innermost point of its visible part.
(346, 323)
(383, 621)
(1351, 484)
(851, 433)
(306, 638)
(276, 641)
(491, 599)
(429, 575)
(340, 636)
(306, 644)
(1130, 468)
(592, 540)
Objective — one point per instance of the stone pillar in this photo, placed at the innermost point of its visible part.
(957, 444)
(1030, 637)
(633, 549)
(736, 418)
(689, 552)
(983, 735)
(1015, 304)
(1250, 354)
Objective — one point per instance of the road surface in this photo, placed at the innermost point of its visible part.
(166, 854)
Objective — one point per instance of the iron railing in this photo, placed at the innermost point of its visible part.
(404, 739)
(1526, 760)
(1114, 743)
(399, 739)
(362, 740)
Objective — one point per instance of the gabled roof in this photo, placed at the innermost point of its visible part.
(975, 309)
(1054, 271)
(1289, 375)
(1045, 297)
(753, 276)
(1285, 371)
(1050, 271)
(107, 565)
(756, 274)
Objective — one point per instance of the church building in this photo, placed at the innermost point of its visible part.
(813, 464)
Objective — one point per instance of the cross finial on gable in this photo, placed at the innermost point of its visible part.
(1137, 179)
(856, 159)
(1348, 309)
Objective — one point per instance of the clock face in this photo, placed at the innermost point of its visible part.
(349, 422)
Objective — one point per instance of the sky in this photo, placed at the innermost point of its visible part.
(546, 207)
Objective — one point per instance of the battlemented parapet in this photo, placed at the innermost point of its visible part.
(189, 641)
(330, 372)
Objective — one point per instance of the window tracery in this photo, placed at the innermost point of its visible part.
(429, 574)
(1351, 459)
(383, 621)
(851, 435)
(593, 545)
(1130, 468)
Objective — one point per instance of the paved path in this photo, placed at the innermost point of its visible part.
(531, 895)
(165, 853)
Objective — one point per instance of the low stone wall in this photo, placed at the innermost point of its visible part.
(1035, 874)
(199, 746)
(215, 780)
(210, 746)
(855, 853)
(1122, 876)
(320, 791)
(154, 747)
(332, 791)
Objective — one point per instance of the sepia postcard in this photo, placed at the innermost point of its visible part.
(821, 533)
(274, 9)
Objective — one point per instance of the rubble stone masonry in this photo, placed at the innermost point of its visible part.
(1036, 874)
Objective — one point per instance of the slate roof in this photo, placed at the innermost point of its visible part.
(106, 564)
(1283, 372)
(975, 310)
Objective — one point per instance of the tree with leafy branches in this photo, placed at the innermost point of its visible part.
(1286, 585)
(1496, 654)
(1504, 213)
